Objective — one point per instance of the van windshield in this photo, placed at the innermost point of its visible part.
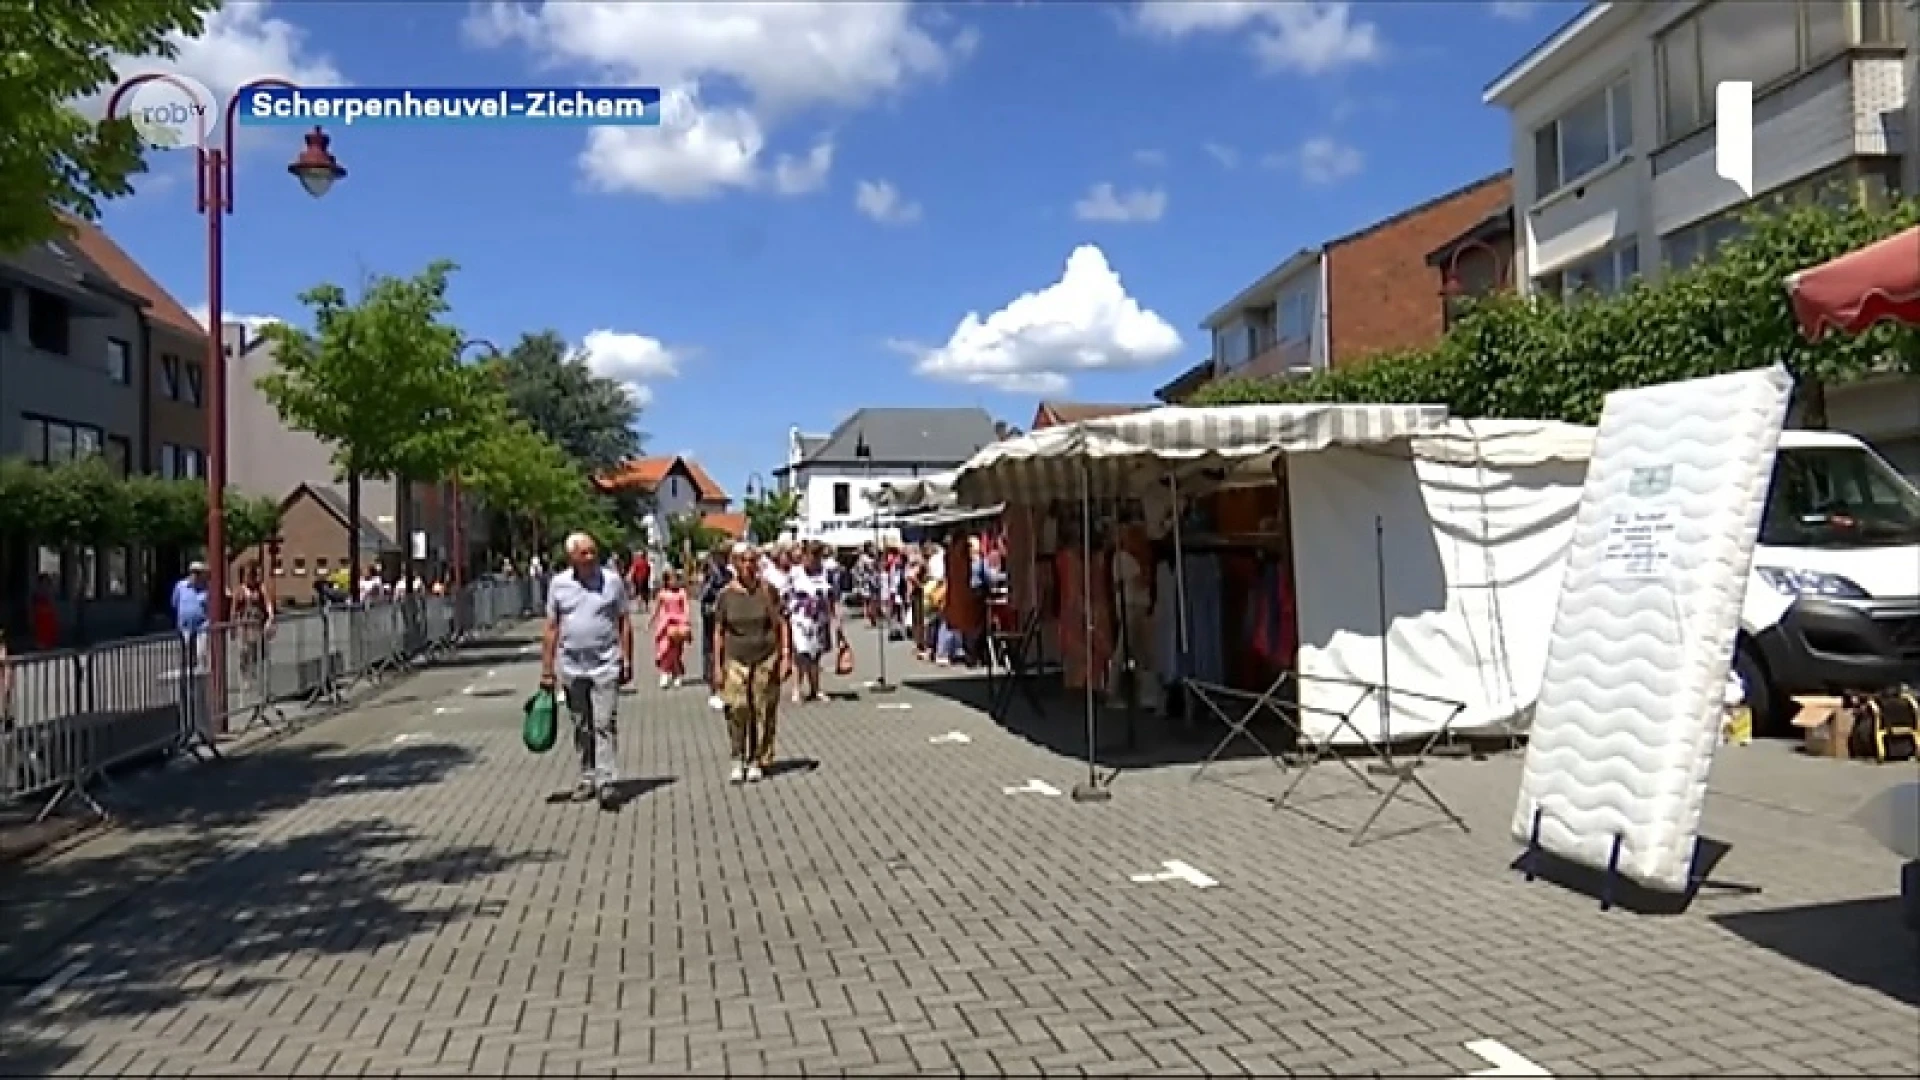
(1838, 496)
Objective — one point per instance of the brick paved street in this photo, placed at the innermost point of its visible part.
(392, 893)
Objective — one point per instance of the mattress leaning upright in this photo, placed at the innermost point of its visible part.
(1630, 705)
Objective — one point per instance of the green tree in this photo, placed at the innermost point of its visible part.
(769, 513)
(380, 381)
(689, 537)
(52, 158)
(1543, 358)
(552, 388)
(535, 485)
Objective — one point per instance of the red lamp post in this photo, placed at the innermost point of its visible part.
(1452, 289)
(316, 169)
(459, 511)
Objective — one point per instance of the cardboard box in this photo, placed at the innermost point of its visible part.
(1827, 724)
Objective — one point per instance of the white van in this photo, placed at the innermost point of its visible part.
(1834, 603)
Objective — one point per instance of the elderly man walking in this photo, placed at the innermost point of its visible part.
(588, 652)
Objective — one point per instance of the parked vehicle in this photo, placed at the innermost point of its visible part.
(1834, 603)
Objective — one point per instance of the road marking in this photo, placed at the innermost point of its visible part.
(470, 688)
(447, 710)
(1033, 787)
(1175, 870)
(349, 780)
(529, 650)
(409, 737)
(951, 738)
(1505, 1062)
(895, 706)
(55, 983)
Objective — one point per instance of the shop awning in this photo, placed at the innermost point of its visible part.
(958, 515)
(922, 493)
(1878, 283)
(1119, 455)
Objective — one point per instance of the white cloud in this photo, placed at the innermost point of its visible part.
(774, 59)
(1103, 203)
(240, 42)
(635, 361)
(1516, 10)
(1321, 160)
(1227, 156)
(1309, 37)
(881, 201)
(1083, 322)
(1152, 159)
(251, 322)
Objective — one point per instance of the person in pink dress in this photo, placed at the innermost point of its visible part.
(672, 629)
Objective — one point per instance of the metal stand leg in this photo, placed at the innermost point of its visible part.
(1209, 694)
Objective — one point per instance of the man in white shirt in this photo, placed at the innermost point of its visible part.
(372, 588)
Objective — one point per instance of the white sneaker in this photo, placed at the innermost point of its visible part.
(666, 681)
(739, 774)
(678, 682)
(753, 774)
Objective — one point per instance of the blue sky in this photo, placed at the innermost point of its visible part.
(841, 185)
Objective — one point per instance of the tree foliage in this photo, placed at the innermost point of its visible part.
(552, 387)
(53, 158)
(83, 503)
(689, 537)
(770, 513)
(380, 380)
(1547, 359)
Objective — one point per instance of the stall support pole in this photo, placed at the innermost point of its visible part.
(1388, 765)
(883, 628)
(1090, 789)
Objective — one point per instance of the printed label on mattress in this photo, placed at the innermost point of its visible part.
(1639, 545)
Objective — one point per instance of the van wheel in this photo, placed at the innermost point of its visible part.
(1772, 712)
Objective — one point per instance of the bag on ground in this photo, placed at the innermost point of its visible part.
(843, 659)
(540, 730)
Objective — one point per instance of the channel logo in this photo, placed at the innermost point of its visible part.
(1733, 134)
(172, 112)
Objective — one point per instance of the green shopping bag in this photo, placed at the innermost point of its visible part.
(541, 727)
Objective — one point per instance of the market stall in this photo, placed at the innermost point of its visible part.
(1418, 555)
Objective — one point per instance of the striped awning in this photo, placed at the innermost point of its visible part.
(1118, 456)
(907, 496)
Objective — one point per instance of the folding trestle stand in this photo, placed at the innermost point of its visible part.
(1530, 861)
(1268, 702)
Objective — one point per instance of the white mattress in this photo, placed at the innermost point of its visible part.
(1630, 706)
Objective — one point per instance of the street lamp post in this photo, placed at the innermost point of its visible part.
(883, 629)
(459, 510)
(756, 488)
(316, 169)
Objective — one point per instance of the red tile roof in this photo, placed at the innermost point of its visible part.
(644, 475)
(128, 274)
(734, 525)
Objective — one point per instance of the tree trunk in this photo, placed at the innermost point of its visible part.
(1810, 404)
(403, 513)
(353, 532)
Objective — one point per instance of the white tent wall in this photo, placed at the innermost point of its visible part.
(1475, 531)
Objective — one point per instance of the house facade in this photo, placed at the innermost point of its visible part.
(1342, 301)
(1613, 137)
(1476, 263)
(838, 479)
(670, 487)
(314, 543)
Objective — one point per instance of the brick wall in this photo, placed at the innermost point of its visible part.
(1382, 293)
(310, 534)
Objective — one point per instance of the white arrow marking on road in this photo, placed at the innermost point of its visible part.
(1033, 787)
(1175, 870)
(411, 736)
(1505, 1062)
(951, 737)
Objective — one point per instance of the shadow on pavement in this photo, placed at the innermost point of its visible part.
(269, 910)
(1059, 725)
(1631, 896)
(1863, 942)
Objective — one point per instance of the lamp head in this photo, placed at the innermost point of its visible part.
(316, 168)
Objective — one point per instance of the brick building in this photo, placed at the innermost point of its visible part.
(1368, 292)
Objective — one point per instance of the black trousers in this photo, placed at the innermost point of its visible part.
(707, 670)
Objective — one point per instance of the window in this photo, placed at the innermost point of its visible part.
(193, 384)
(192, 464)
(119, 361)
(1235, 343)
(1585, 139)
(117, 567)
(1600, 274)
(51, 563)
(33, 441)
(319, 566)
(54, 442)
(1838, 496)
(6, 310)
(1878, 24)
(169, 465)
(1294, 320)
(89, 571)
(1700, 240)
(842, 500)
(170, 376)
(120, 454)
(49, 322)
(1757, 41)
(299, 566)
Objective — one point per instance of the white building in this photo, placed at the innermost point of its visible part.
(1613, 143)
(836, 475)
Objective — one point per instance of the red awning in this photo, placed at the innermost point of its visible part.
(1878, 283)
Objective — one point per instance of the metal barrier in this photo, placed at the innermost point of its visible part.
(69, 717)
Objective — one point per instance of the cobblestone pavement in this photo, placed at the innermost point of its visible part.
(395, 893)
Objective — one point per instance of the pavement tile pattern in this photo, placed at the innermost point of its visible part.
(403, 891)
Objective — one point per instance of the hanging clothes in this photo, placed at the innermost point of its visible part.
(1133, 594)
(1171, 666)
(1080, 670)
(1206, 655)
(1271, 625)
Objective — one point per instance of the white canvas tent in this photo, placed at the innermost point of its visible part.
(917, 495)
(1473, 520)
